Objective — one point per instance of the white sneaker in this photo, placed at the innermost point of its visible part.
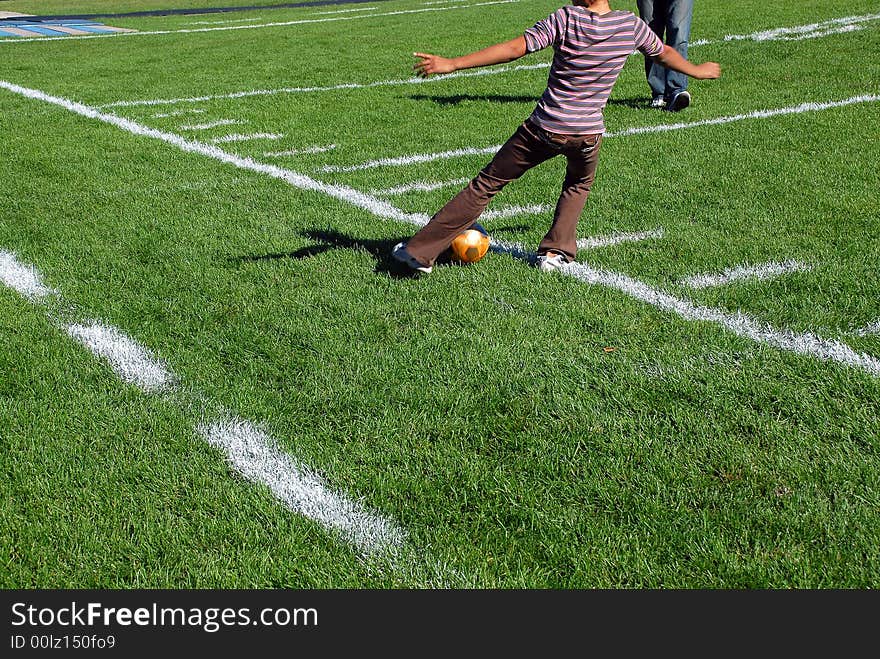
(400, 254)
(658, 102)
(551, 262)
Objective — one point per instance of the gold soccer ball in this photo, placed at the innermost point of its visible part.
(470, 245)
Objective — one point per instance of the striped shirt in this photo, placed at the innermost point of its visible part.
(589, 52)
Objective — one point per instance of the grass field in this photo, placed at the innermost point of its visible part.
(213, 377)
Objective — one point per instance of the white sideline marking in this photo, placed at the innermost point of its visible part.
(297, 152)
(22, 278)
(301, 181)
(868, 330)
(237, 137)
(250, 450)
(257, 457)
(237, 20)
(263, 25)
(513, 211)
(344, 11)
(740, 324)
(399, 161)
(177, 113)
(413, 159)
(418, 186)
(617, 238)
(330, 88)
(760, 272)
(798, 32)
(494, 70)
(214, 124)
(131, 361)
(757, 114)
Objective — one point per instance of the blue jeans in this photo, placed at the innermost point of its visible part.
(671, 21)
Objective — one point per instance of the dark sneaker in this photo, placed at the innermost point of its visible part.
(658, 103)
(679, 102)
(551, 262)
(400, 255)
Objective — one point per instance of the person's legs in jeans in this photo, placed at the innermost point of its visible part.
(678, 30)
(519, 154)
(582, 154)
(654, 14)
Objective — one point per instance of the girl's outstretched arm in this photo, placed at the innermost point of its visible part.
(498, 54)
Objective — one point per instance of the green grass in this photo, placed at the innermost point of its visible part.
(478, 407)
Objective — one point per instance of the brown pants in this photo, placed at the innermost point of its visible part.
(528, 147)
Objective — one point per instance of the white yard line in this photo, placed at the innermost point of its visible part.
(412, 159)
(767, 35)
(345, 193)
(22, 278)
(131, 361)
(739, 323)
(249, 449)
(327, 88)
(757, 272)
(214, 124)
(305, 21)
(309, 150)
(798, 32)
(256, 456)
(513, 211)
(238, 137)
(178, 113)
(344, 11)
(237, 20)
(418, 186)
(418, 158)
(869, 329)
(617, 238)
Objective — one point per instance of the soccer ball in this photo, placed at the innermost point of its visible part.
(470, 245)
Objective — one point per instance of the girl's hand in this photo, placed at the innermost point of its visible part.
(432, 65)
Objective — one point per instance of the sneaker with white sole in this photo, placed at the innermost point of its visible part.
(658, 103)
(400, 255)
(551, 262)
(679, 102)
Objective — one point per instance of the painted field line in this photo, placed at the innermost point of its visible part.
(177, 113)
(417, 158)
(514, 211)
(309, 150)
(869, 329)
(301, 181)
(418, 186)
(494, 70)
(412, 159)
(131, 361)
(256, 456)
(617, 238)
(740, 324)
(328, 88)
(757, 114)
(759, 272)
(24, 279)
(798, 32)
(214, 124)
(237, 20)
(238, 137)
(344, 11)
(304, 21)
(248, 449)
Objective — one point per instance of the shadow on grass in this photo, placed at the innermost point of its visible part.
(461, 98)
(328, 239)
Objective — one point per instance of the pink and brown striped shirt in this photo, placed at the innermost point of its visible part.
(590, 50)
